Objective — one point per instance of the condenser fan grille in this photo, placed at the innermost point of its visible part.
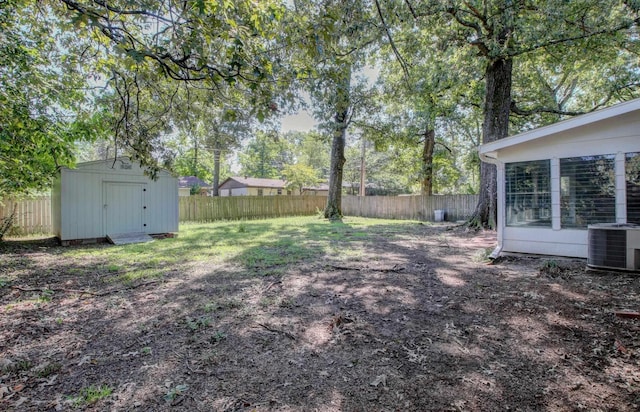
(607, 248)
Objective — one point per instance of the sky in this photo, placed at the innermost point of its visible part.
(302, 121)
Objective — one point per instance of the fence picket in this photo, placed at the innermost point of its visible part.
(456, 207)
(33, 216)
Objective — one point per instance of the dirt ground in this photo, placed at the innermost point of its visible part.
(416, 323)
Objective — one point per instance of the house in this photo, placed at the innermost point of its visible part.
(321, 189)
(186, 183)
(555, 181)
(112, 197)
(253, 186)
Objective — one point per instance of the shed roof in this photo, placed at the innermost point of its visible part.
(109, 162)
(120, 163)
(190, 181)
(256, 182)
(574, 122)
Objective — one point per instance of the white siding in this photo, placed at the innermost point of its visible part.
(82, 212)
(240, 191)
(617, 135)
(544, 241)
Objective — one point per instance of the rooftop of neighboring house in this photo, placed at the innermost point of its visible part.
(319, 187)
(190, 181)
(255, 182)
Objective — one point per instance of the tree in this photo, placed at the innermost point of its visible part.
(502, 32)
(146, 50)
(265, 156)
(337, 36)
(299, 175)
(412, 104)
(311, 148)
(216, 123)
(388, 171)
(43, 109)
(416, 90)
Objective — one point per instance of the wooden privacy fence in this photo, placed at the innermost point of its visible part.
(205, 209)
(455, 207)
(33, 216)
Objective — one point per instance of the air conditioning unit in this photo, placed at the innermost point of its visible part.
(614, 246)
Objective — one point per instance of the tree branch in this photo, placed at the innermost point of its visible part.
(522, 112)
(583, 36)
(411, 9)
(396, 52)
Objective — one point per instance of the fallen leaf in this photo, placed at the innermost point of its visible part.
(620, 347)
(18, 387)
(85, 359)
(380, 379)
(48, 382)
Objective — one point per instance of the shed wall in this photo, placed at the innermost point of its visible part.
(82, 199)
(56, 206)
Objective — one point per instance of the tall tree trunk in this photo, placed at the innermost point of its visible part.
(495, 126)
(216, 170)
(427, 161)
(363, 169)
(333, 211)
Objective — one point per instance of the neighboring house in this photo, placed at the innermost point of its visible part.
(112, 197)
(185, 183)
(555, 181)
(321, 189)
(253, 186)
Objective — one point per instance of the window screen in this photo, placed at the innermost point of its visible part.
(632, 172)
(528, 193)
(587, 190)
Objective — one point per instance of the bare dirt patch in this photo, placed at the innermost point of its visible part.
(415, 320)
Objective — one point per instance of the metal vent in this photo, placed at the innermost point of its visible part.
(614, 246)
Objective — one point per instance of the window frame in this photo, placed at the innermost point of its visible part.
(582, 202)
(528, 208)
(632, 188)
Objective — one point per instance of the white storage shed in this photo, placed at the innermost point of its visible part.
(105, 198)
(556, 181)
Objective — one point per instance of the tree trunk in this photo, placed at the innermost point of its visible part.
(495, 126)
(427, 161)
(333, 211)
(363, 169)
(216, 171)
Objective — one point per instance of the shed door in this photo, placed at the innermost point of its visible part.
(124, 208)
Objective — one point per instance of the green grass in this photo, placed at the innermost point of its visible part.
(261, 246)
(91, 395)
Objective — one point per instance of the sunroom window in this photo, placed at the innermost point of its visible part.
(587, 190)
(632, 177)
(528, 193)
